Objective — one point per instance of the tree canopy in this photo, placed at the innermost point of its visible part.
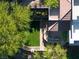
(13, 27)
(52, 52)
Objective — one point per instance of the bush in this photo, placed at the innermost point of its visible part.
(51, 3)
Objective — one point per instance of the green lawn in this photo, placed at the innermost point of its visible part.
(34, 38)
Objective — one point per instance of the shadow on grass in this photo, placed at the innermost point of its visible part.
(34, 25)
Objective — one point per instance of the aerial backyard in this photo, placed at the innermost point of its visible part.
(28, 32)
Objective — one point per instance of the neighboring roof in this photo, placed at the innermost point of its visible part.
(75, 9)
(74, 35)
(74, 32)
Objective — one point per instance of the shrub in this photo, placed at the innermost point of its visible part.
(51, 3)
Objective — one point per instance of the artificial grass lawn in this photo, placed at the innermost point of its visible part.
(34, 38)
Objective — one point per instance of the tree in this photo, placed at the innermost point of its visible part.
(21, 16)
(13, 28)
(51, 3)
(52, 52)
(38, 55)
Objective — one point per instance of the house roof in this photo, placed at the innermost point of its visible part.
(65, 7)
